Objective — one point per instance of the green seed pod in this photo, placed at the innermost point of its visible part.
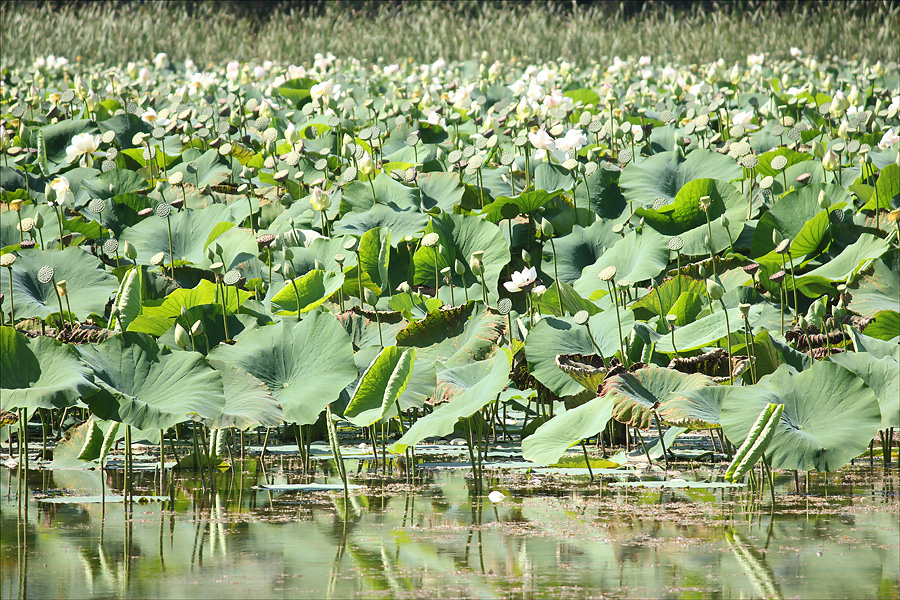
(759, 443)
(129, 250)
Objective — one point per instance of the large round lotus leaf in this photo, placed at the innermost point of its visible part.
(306, 364)
(248, 402)
(636, 395)
(697, 409)
(440, 189)
(363, 327)
(9, 220)
(561, 335)
(307, 292)
(449, 338)
(581, 248)
(663, 174)
(882, 375)
(472, 386)
(460, 236)
(526, 203)
(841, 267)
(878, 290)
(637, 257)
(88, 286)
(40, 373)
(399, 222)
(830, 415)
(684, 217)
(550, 441)
(150, 387)
(601, 190)
(708, 329)
(212, 168)
(58, 136)
(357, 196)
(190, 231)
(799, 217)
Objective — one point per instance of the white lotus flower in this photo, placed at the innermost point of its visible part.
(744, 120)
(291, 135)
(574, 139)
(83, 148)
(60, 185)
(524, 280)
(542, 141)
(324, 91)
(496, 496)
(795, 52)
(319, 200)
(366, 165)
(889, 139)
(150, 116)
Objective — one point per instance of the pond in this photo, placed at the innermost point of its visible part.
(552, 535)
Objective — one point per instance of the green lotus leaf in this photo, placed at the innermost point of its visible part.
(414, 307)
(440, 190)
(799, 217)
(149, 387)
(399, 222)
(527, 203)
(158, 316)
(248, 402)
(473, 386)
(875, 347)
(708, 329)
(700, 408)
(58, 136)
(552, 178)
(792, 156)
(841, 267)
(125, 127)
(820, 431)
(637, 257)
(380, 387)
(548, 302)
(357, 196)
(882, 375)
(884, 326)
(636, 395)
(449, 338)
(88, 286)
(878, 290)
(212, 168)
(551, 440)
(312, 290)
(664, 299)
(683, 215)
(664, 173)
(113, 183)
(561, 335)
(600, 191)
(40, 373)
(363, 327)
(375, 255)
(190, 230)
(9, 222)
(460, 236)
(582, 248)
(887, 188)
(306, 364)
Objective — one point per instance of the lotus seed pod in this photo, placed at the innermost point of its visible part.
(7, 260)
(430, 240)
(231, 277)
(504, 306)
(670, 319)
(618, 228)
(45, 274)
(129, 250)
(581, 317)
(744, 309)
(608, 274)
(96, 205)
(714, 289)
(163, 210)
(110, 246)
(546, 228)
(197, 328)
(783, 247)
(157, 259)
(404, 287)
(370, 296)
(778, 277)
(26, 225)
(182, 338)
(350, 244)
(675, 243)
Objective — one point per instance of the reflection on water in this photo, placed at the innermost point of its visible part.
(438, 540)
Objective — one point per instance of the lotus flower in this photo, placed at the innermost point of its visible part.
(319, 200)
(543, 142)
(83, 148)
(743, 119)
(889, 139)
(524, 280)
(60, 185)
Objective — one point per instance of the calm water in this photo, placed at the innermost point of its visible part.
(549, 538)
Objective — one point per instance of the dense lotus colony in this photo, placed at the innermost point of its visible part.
(535, 253)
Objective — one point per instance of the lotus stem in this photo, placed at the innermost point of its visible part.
(749, 341)
(58, 211)
(609, 283)
(171, 253)
(225, 309)
(793, 284)
(250, 218)
(596, 347)
(336, 451)
(587, 460)
(728, 343)
(297, 296)
(643, 445)
(662, 442)
(562, 310)
(12, 305)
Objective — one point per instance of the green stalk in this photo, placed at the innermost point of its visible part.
(619, 323)
(562, 311)
(171, 253)
(728, 342)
